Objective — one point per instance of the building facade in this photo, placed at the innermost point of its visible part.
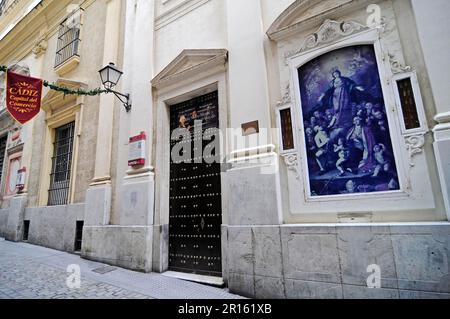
(289, 149)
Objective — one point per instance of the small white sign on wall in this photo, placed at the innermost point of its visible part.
(20, 181)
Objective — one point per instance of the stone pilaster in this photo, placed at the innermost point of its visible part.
(254, 164)
(137, 194)
(435, 40)
(442, 152)
(125, 239)
(98, 197)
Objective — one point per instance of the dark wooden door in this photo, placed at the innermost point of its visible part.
(195, 190)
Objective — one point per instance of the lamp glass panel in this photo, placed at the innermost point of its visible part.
(104, 75)
(114, 76)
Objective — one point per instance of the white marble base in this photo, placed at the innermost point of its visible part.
(442, 153)
(209, 280)
(98, 205)
(124, 246)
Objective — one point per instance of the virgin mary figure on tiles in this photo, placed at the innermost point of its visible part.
(346, 129)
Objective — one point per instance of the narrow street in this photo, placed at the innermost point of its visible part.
(34, 272)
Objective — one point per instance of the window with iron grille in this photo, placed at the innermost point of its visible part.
(58, 194)
(68, 38)
(2, 154)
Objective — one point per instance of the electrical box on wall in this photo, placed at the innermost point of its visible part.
(136, 155)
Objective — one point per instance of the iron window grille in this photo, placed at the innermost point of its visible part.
(58, 194)
(2, 154)
(69, 38)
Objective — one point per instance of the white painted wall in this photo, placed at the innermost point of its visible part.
(248, 87)
(203, 27)
(272, 9)
(432, 18)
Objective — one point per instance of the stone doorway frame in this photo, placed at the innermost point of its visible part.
(193, 73)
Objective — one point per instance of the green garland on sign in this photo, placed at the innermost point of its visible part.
(65, 90)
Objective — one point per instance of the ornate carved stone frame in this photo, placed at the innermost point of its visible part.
(333, 35)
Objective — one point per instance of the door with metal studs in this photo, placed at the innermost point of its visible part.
(195, 208)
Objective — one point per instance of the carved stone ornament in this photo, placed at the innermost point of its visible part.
(396, 66)
(40, 48)
(387, 26)
(328, 32)
(286, 98)
(414, 144)
(291, 161)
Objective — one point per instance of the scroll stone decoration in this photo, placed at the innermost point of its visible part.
(291, 161)
(286, 99)
(415, 146)
(328, 32)
(396, 66)
(40, 47)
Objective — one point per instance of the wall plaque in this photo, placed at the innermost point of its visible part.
(250, 128)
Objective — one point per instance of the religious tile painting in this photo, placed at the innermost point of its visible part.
(349, 149)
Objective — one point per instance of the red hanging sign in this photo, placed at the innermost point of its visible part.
(23, 96)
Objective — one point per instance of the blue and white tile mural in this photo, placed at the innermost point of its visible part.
(347, 136)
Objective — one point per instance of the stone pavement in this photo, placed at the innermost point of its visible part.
(34, 272)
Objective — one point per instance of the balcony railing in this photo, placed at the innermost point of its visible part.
(68, 38)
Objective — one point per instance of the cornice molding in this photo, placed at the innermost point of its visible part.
(305, 14)
(27, 36)
(8, 6)
(16, 15)
(330, 31)
(6, 15)
(442, 117)
(54, 101)
(177, 12)
(189, 64)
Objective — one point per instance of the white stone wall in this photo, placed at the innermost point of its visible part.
(202, 26)
(435, 42)
(54, 227)
(332, 261)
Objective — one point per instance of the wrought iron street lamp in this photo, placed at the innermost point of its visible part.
(110, 76)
